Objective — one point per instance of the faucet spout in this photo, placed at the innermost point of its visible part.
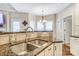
(29, 28)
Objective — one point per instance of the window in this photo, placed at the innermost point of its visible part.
(49, 26)
(40, 26)
(16, 26)
(32, 24)
(44, 27)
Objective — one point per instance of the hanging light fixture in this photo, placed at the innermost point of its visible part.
(43, 20)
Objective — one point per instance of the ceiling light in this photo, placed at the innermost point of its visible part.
(43, 20)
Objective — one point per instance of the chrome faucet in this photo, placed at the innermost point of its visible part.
(27, 31)
(26, 40)
(28, 28)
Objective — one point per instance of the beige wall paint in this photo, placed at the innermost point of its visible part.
(70, 10)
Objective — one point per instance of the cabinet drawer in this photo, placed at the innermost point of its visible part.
(49, 51)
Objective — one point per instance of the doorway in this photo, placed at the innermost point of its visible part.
(67, 29)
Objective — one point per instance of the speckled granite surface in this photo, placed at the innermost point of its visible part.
(6, 51)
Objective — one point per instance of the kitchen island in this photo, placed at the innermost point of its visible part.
(23, 43)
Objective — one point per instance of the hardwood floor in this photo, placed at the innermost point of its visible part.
(66, 50)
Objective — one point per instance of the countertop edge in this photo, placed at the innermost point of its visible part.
(74, 36)
(48, 46)
(1, 33)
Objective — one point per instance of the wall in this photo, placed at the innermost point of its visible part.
(70, 10)
(10, 13)
(53, 18)
(48, 18)
(32, 21)
(20, 17)
(12, 16)
(5, 8)
(77, 20)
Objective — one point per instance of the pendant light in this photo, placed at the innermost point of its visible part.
(43, 18)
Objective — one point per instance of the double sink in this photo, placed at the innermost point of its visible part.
(25, 48)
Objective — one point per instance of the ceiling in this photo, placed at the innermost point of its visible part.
(36, 8)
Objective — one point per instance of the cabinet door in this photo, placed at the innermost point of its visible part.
(41, 54)
(12, 38)
(49, 51)
(20, 37)
(58, 49)
(74, 48)
(4, 39)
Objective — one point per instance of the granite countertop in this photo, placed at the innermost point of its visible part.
(1, 33)
(40, 49)
(75, 36)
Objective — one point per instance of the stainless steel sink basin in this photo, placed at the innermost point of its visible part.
(23, 48)
(31, 47)
(38, 42)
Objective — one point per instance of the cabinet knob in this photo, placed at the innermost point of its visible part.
(49, 49)
(54, 48)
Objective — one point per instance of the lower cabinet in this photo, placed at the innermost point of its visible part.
(53, 50)
(4, 39)
(47, 52)
(57, 49)
(74, 46)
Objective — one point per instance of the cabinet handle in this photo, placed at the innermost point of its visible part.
(54, 48)
(49, 49)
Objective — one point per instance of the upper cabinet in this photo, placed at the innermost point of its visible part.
(77, 15)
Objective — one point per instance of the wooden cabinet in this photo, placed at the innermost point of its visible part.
(20, 36)
(74, 46)
(4, 39)
(17, 37)
(58, 49)
(49, 51)
(4, 50)
(53, 50)
(12, 38)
